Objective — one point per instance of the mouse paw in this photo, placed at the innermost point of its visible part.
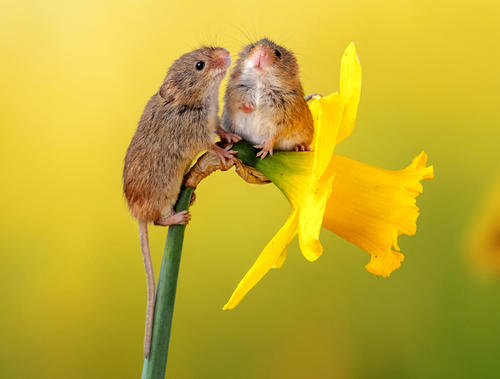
(225, 154)
(266, 148)
(302, 147)
(180, 218)
(229, 137)
(247, 108)
(176, 218)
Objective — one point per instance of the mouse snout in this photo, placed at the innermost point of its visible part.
(260, 58)
(222, 59)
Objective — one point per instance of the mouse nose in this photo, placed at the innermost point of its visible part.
(260, 58)
(222, 58)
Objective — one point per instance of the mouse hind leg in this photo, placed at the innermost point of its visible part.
(169, 194)
(174, 218)
(168, 216)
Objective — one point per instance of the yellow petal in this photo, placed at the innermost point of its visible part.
(279, 262)
(327, 117)
(291, 173)
(333, 115)
(273, 255)
(350, 91)
(371, 207)
(327, 112)
(311, 216)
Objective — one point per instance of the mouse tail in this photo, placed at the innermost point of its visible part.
(148, 265)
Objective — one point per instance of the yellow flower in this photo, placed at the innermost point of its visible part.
(366, 205)
(483, 238)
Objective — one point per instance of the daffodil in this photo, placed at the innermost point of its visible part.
(363, 204)
(484, 235)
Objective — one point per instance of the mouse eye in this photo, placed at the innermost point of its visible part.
(251, 48)
(277, 53)
(200, 65)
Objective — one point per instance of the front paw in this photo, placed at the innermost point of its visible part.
(225, 154)
(247, 108)
(229, 137)
(266, 148)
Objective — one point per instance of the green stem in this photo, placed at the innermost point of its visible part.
(246, 153)
(155, 366)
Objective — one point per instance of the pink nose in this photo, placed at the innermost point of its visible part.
(259, 58)
(223, 59)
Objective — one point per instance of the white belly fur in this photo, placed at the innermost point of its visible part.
(255, 127)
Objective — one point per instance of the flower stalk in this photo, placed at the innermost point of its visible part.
(155, 366)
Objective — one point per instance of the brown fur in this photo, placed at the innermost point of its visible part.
(276, 96)
(178, 122)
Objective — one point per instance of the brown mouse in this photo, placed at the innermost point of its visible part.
(264, 100)
(178, 122)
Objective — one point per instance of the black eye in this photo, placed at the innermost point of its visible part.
(277, 53)
(200, 65)
(250, 48)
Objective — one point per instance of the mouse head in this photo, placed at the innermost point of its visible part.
(196, 75)
(267, 58)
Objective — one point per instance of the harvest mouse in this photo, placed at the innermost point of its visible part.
(264, 101)
(178, 122)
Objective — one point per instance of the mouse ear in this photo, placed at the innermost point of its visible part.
(163, 91)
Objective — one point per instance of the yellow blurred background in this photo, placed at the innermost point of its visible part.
(75, 76)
